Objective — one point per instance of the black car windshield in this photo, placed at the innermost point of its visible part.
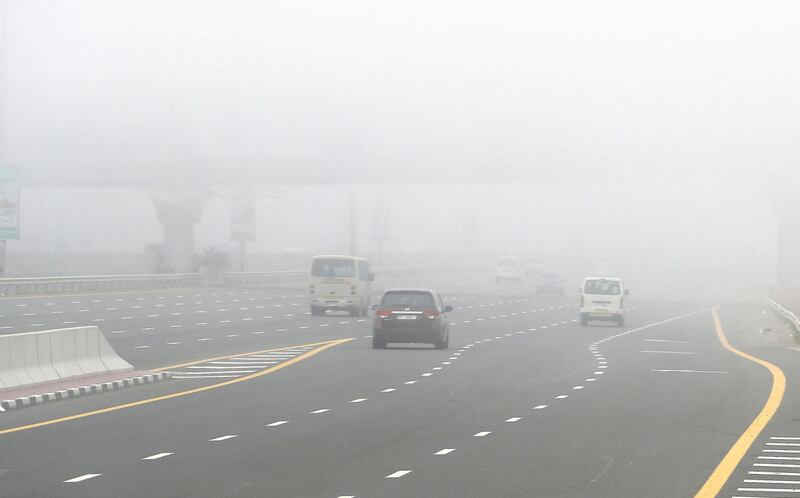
(405, 299)
(602, 287)
(333, 268)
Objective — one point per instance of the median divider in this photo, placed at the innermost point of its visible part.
(50, 365)
(34, 358)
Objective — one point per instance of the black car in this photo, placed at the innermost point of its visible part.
(411, 315)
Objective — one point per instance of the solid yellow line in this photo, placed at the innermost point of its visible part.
(285, 364)
(731, 460)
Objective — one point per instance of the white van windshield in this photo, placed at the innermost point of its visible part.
(602, 287)
(333, 268)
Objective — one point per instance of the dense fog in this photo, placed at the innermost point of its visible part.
(657, 138)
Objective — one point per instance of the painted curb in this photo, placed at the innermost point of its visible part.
(36, 399)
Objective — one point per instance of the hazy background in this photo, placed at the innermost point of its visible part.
(648, 134)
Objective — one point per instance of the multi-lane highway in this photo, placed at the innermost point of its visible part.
(270, 401)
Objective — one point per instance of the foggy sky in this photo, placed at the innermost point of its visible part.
(377, 90)
(640, 133)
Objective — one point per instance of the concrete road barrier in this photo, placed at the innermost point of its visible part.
(45, 356)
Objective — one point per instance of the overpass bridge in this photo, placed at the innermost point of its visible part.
(177, 160)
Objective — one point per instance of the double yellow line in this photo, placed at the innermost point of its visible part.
(722, 473)
(318, 348)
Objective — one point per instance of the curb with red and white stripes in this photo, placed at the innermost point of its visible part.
(36, 399)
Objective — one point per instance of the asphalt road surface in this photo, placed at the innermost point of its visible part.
(269, 401)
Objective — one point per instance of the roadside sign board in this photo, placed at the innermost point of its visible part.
(9, 205)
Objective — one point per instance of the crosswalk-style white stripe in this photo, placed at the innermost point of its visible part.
(776, 469)
(237, 366)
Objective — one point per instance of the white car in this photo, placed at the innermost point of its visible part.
(603, 298)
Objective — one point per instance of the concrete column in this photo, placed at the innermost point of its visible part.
(179, 212)
(785, 199)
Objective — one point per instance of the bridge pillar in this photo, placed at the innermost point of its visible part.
(179, 212)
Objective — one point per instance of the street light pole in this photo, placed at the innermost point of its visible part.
(353, 229)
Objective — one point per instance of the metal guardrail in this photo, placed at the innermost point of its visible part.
(787, 315)
(264, 277)
(49, 285)
(53, 285)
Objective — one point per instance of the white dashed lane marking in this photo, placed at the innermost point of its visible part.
(399, 473)
(84, 477)
(157, 456)
(222, 438)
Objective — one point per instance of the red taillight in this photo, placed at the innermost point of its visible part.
(431, 313)
(383, 313)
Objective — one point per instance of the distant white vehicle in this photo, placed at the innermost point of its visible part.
(509, 268)
(339, 283)
(602, 298)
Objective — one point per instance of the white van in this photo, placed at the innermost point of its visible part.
(339, 283)
(602, 298)
(509, 268)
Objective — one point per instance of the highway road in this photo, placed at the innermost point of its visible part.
(269, 401)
